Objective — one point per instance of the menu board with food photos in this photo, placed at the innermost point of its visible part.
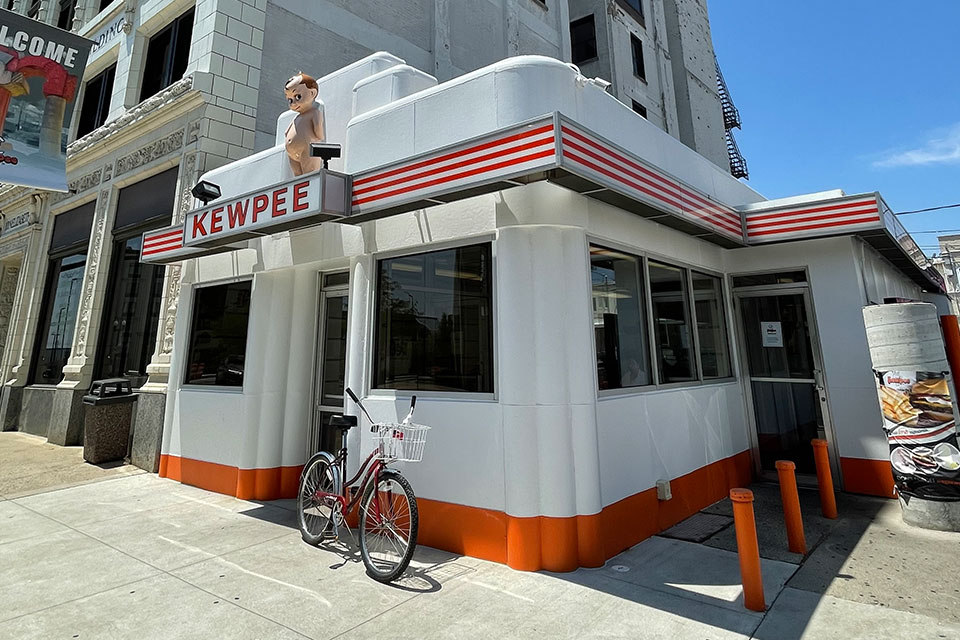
(919, 422)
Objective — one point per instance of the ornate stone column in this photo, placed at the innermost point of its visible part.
(66, 416)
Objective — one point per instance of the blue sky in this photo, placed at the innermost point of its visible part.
(849, 94)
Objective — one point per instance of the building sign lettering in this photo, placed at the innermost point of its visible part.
(284, 206)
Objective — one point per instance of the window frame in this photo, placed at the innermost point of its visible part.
(596, 46)
(174, 27)
(636, 106)
(636, 44)
(371, 328)
(106, 94)
(182, 374)
(639, 16)
(726, 292)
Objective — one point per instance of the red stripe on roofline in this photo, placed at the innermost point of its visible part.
(837, 223)
(164, 245)
(751, 217)
(653, 174)
(674, 201)
(156, 251)
(672, 197)
(455, 154)
(624, 181)
(457, 176)
(167, 235)
(791, 221)
(682, 192)
(457, 165)
(729, 214)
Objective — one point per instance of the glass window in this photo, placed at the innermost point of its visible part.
(167, 55)
(711, 326)
(583, 39)
(435, 321)
(671, 321)
(636, 5)
(131, 315)
(65, 16)
(55, 335)
(619, 320)
(96, 101)
(218, 334)
(639, 109)
(638, 69)
(760, 279)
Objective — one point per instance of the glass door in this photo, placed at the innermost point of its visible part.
(785, 381)
(331, 363)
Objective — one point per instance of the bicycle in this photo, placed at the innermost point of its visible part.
(389, 519)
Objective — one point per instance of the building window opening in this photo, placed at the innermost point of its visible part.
(639, 109)
(65, 16)
(671, 321)
(619, 320)
(167, 55)
(104, 4)
(434, 321)
(128, 335)
(96, 101)
(58, 315)
(33, 9)
(711, 326)
(583, 40)
(218, 335)
(638, 68)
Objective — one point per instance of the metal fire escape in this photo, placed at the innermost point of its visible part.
(731, 120)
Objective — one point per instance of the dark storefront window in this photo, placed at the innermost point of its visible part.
(619, 320)
(131, 316)
(218, 335)
(96, 101)
(671, 320)
(58, 317)
(65, 15)
(167, 54)
(434, 321)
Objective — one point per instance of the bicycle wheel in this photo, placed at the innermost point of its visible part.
(316, 498)
(388, 526)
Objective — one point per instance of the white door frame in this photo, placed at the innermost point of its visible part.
(819, 380)
(316, 408)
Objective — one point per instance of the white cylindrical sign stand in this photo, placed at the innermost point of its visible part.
(919, 416)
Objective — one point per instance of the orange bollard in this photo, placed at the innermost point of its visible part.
(828, 502)
(796, 541)
(747, 549)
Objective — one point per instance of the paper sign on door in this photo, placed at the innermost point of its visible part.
(772, 334)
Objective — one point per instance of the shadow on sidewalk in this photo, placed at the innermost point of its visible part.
(701, 581)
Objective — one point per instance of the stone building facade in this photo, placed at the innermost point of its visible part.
(173, 89)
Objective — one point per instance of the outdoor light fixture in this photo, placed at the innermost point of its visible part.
(325, 150)
(205, 191)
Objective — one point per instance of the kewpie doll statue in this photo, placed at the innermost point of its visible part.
(307, 127)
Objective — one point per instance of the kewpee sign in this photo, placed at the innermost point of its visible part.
(287, 205)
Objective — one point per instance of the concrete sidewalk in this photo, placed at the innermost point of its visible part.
(140, 556)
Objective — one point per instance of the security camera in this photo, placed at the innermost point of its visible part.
(205, 191)
(325, 150)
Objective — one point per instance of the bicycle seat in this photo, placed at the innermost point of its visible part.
(343, 422)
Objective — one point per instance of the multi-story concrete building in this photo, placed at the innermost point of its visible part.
(658, 56)
(175, 88)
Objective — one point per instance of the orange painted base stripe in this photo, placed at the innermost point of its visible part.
(528, 544)
(247, 484)
(871, 477)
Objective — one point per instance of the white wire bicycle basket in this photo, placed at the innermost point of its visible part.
(399, 442)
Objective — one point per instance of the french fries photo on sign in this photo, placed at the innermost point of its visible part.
(919, 421)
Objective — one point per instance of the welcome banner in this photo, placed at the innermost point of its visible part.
(41, 68)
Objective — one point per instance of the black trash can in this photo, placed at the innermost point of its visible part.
(107, 418)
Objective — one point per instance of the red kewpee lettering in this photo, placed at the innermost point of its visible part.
(236, 215)
(198, 229)
(259, 206)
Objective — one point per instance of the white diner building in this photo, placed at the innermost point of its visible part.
(583, 305)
